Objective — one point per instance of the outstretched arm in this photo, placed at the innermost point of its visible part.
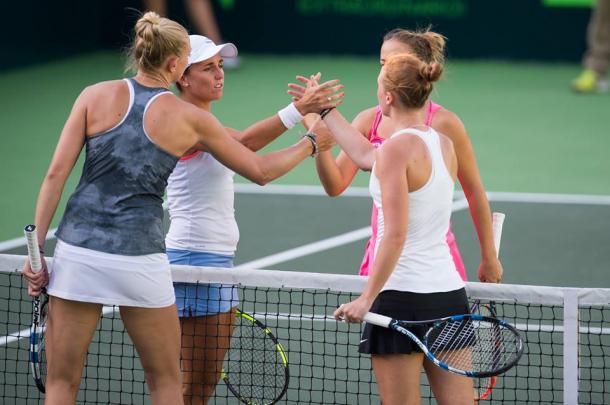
(336, 174)
(312, 99)
(359, 149)
(336, 178)
(259, 169)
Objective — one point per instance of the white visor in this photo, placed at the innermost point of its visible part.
(203, 48)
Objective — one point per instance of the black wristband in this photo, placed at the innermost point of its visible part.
(325, 112)
(314, 144)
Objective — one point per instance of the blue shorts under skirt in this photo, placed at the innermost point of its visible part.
(203, 299)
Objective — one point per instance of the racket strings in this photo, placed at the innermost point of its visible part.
(474, 345)
(253, 365)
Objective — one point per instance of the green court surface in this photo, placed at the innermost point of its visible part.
(529, 132)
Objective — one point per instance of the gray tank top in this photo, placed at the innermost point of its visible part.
(117, 205)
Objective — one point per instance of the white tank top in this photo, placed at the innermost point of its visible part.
(425, 264)
(200, 195)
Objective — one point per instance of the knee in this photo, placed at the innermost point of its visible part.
(162, 378)
(66, 384)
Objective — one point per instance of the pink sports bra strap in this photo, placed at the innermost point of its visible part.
(432, 109)
(376, 122)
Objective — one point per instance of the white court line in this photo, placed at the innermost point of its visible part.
(495, 196)
(309, 249)
(278, 189)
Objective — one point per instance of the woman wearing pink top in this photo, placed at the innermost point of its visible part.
(336, 175)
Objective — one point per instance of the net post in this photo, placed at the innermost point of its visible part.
(570, 346)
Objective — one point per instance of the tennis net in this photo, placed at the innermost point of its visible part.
(566, 330)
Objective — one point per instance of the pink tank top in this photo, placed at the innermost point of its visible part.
(369, 251)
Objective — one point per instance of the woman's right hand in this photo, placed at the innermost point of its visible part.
(324, 138)
(36, 280)
(317, 97)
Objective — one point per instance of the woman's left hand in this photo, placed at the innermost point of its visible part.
(317, 97)
(353, 311)
(490, 271)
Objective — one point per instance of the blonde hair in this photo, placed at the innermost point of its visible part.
(427, 45)
(410, 79)
(155, 39)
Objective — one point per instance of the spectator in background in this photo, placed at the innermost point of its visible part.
(597, 57)
(202, 15)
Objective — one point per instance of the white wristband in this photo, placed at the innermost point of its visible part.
(290, 116)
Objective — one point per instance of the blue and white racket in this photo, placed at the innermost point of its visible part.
(470, 345)
(37, 357)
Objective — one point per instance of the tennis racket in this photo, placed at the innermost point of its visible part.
(463, 344)
(256, 365)
(37, 356)
(484, 386)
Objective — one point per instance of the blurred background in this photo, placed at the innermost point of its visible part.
(540, 30)
(509, 70)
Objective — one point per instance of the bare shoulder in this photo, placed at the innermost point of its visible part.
(449, 123)
(104, 88)
(364, 120)
(446, 142)
(404, 146)
(103, 93)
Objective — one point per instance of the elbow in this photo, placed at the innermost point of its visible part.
(366, 163)
(55, 174)
(333, 191)
(263, 178)
(260, 181)
(396, 239)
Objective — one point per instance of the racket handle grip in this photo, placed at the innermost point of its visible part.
(33, 248)
(497, 224)
(376, 319)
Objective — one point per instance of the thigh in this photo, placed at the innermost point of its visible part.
(449, 388)
(398, 377)
(207, 338)
(155, 333)
(70, 328)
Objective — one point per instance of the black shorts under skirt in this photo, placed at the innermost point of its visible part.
(409, 306)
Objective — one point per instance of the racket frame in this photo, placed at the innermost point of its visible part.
(479, 393)
(39, 304)
(281, 353)
(401, 327)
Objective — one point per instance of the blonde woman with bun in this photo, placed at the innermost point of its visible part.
(337, 174)
(110, 242)
(413, 275)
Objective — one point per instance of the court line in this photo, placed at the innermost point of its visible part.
(494, 196)
(20, 242)
(279, 189)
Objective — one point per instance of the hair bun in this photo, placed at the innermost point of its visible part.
(148, 24)
(156, 38)
(431, 72)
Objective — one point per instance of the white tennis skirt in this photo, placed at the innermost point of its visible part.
(87, 275)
